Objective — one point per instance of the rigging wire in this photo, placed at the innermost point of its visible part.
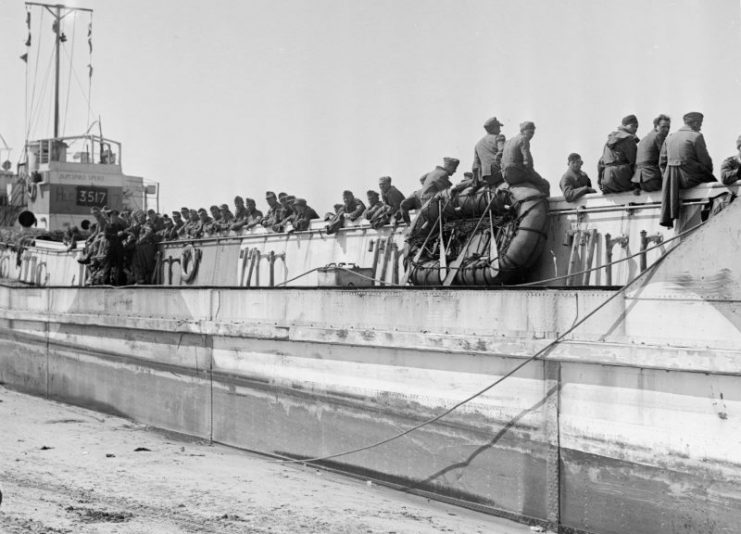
(35, 80)
(75, 75)
(36, 112)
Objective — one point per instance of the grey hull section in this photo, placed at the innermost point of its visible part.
(601, 437)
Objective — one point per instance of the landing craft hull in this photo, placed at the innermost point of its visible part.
(628, 425)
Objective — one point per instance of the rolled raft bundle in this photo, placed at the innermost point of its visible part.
(484, 238)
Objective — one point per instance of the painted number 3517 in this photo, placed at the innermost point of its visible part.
(91, 198)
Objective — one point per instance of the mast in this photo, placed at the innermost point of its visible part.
(57, 42)
(58, 11)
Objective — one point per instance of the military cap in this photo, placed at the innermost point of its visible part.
(574, 157)
(202, 210)
(223, 207)
(248, 200)
(282, 195)
(738, 142)
(693, 116)
(347, 192)
(290, 199)
(491, 123)
(527, 125)
(213, 207)
(300, 202)
(630, 119)
(451, 163)
(384, 180)
(185, 208)
(238, 198)
(269, 194)
(371, 193)
(176, 214)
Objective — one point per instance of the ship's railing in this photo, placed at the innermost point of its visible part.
(84, 149)
(45, 263)
(601, 240)
(598, 241)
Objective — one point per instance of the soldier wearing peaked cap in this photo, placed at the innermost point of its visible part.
(575, 183)
(487, 154)
(391, 196)
(178, 223)
(353, 207)
(617, 164)
(249, 216)
(271, 216)
(284, 212)
(377, 213)
(433, 182)
(517, 161)
(227, 217)
(685, 163)
(730, 169)
(302, 215)
(239, 209)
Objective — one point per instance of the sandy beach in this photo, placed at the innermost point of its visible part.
(65, 469)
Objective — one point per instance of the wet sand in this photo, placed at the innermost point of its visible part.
(65, 469)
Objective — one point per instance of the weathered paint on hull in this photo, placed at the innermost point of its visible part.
(611, 437)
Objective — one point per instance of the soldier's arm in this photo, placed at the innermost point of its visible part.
(730, 171)
(570, 193)
(527, 157)
(663, 159)
(476, 167)
(358, 211)
(257, 220)
(701, 150)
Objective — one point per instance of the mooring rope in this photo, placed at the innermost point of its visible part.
(501, 379)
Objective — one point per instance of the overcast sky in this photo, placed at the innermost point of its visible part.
(219, 98)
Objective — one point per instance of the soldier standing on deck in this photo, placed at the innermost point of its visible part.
(685, 163)
(647, 175)
(617, 164)
(487, 155)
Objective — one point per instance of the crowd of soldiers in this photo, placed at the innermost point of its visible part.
(120, 247)
(659, 162)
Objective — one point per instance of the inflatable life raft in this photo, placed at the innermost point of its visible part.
(477, 237)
